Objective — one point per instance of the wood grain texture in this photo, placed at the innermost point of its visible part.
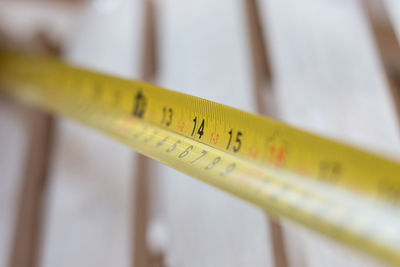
(23, 24)
(35, 27)
(33, 191)
(263, 91)
(328, 80)
(324, 75)
(144, 254)
(204, 52)
(14, 142)
(91, 200)
(387, 45)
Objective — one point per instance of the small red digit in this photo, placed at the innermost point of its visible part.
(253, 152)
(242, 178)
(277, 157)
(181, 125)
(214, 138)
(301, 170)
(281, 157)
(271, 153)
(152, 115)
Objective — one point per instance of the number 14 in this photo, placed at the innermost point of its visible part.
(201, 128)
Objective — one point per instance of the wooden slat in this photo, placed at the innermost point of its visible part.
(19, 28)
(327, 80)
(14, 141)
(203, 52)
(262, 82)
(143, 255)
(90, 207)
(387, 45)
(24, 23)
(32, 196)
(325, 77)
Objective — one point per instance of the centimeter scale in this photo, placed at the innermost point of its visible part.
(347, 194)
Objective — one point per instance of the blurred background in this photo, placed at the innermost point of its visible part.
(72, 197)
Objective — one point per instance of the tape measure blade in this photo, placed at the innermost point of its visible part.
(252, 157)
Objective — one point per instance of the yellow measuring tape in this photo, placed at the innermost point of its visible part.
(345, 193)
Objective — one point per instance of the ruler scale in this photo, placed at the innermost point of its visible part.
(347, 194)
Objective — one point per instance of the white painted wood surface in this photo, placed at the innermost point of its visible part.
(328, 80)
(393, 8)
(90, 204)
(14, 135)
(203, 52)
(21, 22)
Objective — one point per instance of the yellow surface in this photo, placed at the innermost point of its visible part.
(342, 192)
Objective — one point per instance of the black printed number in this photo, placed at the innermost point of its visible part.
(167, 116)
(238, 142)
(330, 171)
(213, 163)
(172, 148)
(185, 152)
(228, 169)
(203, 153)
(200, 131)
(139, 105)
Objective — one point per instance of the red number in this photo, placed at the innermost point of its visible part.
(214, 138)
(242, 178)
(301, 170)
(253, 152)
(152, 115)
(181, 125)
(277, 156)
